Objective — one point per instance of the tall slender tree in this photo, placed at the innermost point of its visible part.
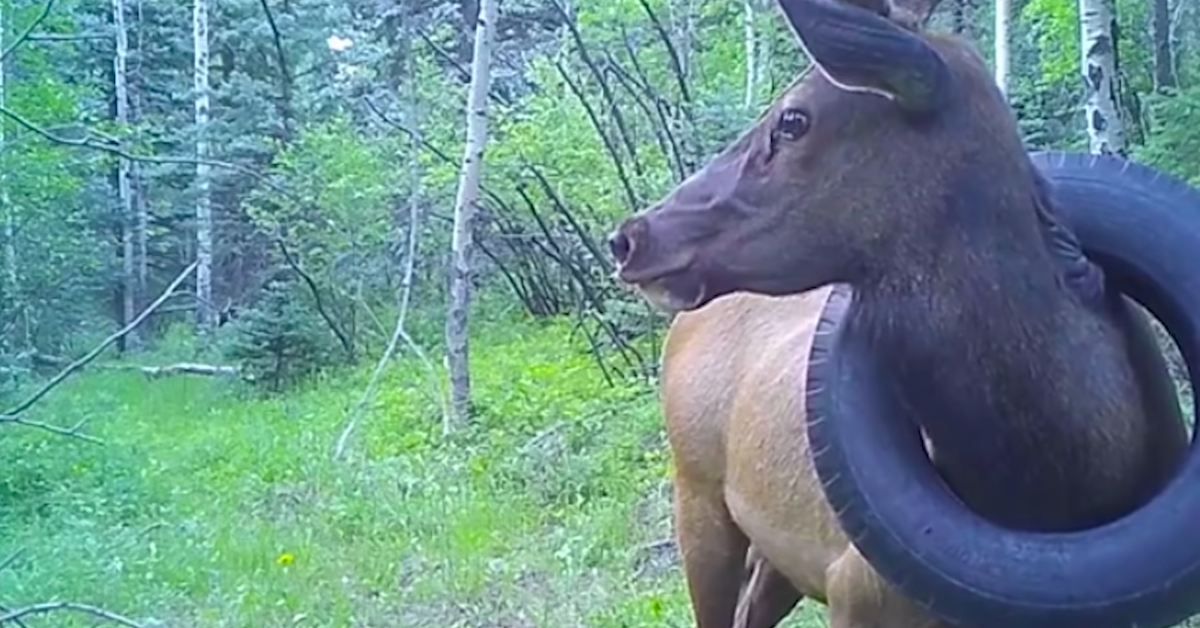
(1164, 62)
(206, 315)
(129, 222)
(462, 244)
(1003, 51)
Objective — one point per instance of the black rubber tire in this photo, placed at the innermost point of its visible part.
(1143, 228)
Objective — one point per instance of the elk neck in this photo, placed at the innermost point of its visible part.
(1018, 377)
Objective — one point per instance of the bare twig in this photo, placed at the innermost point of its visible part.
(285, 75)
(355, 413)
(463, 73)
(14, 415)
(12, 558)
(28, 30)
(15, 616)
(410, 262)
(74, 431)
(346, 341)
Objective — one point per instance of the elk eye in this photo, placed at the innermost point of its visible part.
(791, 125)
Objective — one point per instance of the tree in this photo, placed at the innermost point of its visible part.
(11, 286)
(206, 316)
(1003, 55)
(1164, 64)
(129, 221)
(462, 245)
(1098, 63)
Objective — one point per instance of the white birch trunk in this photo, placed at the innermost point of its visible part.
(689, 38)
(751, 53)
(1003, 51)
(462, 245)
(206, 318)
(1106, 133)
(763, 45)
(414, 170)
(124, 187)
(11, 289)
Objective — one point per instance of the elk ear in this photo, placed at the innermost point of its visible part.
(858, 48)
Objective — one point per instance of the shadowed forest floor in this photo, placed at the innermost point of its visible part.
(210, 506)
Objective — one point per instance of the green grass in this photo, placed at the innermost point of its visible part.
(211, 506)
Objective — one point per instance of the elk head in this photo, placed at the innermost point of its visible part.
(837, 175)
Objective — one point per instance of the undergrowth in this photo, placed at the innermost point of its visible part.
(213, 505)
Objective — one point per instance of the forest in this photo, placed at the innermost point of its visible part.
(306, 311)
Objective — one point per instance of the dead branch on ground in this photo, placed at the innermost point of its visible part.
(15, 616)
(182, 368)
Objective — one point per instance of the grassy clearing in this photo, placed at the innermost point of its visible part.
(210, 506)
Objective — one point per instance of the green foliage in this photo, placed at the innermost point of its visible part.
(280, 340)
(205, 508)
(1056, 27)
(1174, 139)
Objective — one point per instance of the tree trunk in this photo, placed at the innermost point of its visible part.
(751, 53)
(462, 245)
(11, 289)
(1164, 64)
(412, 228)
(1003, 56)
(140, 203)
(1099, 68)
(206, 318)
(129, 290)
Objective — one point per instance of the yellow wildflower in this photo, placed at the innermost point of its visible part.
(285, 559)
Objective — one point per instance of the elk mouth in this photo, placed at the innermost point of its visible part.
(672, 290)
(663, 267)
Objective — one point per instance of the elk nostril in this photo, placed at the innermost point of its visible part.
(620, 246)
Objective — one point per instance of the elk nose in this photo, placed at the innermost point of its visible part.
(620, 245)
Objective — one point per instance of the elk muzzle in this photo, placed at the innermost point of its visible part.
(656, 252)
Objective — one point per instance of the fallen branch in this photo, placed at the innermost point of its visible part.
(14, 415)
(179, 368)
(182, 368)
(15, 616)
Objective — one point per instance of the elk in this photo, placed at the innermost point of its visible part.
(903, 367)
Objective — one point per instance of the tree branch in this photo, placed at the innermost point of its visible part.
(285, 74)
(66, 37)
(113, 149)
(28, 30)
(14, 415)
(334, 326)
(15, 616)
(12, 558)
